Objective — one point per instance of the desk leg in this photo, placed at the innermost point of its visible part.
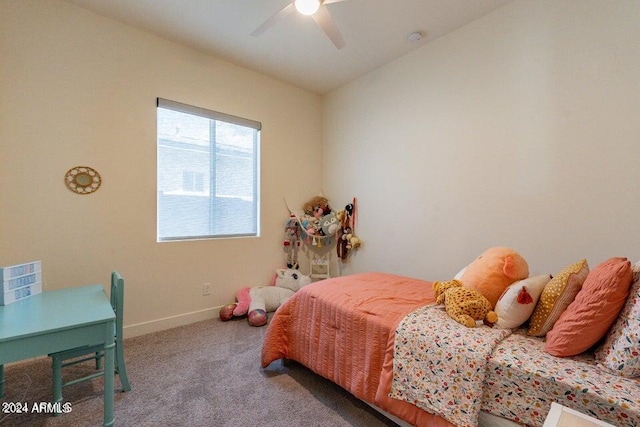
(109, 373)
(1, 380)
(56, 363)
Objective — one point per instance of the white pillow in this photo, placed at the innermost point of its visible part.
(511, 313)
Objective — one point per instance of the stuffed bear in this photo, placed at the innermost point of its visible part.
(256, 302)
(494, 271)
(464, 305)
(317, 207)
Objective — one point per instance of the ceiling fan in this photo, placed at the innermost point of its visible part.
(317, 9)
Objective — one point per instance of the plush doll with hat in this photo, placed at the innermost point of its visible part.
(256, 302)
(493, 271)
(464, 305)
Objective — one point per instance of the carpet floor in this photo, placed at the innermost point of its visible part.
(204, 374)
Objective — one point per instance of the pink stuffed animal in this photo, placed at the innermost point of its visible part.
(256, 302)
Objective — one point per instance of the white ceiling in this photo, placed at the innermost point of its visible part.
(296, 50)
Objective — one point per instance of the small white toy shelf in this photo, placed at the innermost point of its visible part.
(319, 266)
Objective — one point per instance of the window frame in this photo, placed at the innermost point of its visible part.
(216, 116)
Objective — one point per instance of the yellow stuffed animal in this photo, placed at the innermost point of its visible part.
(464, 305)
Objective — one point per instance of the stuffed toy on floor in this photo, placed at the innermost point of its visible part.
(464, 305)
(256, 302)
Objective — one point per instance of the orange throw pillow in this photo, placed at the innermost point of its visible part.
(595, 308)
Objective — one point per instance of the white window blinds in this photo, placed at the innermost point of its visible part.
(208, 173)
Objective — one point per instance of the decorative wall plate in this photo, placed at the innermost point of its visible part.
(82, 180)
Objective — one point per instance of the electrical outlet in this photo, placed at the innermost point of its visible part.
(206, 289)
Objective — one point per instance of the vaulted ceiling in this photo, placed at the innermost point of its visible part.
(295, 49)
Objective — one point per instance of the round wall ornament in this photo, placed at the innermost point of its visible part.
(82, 180)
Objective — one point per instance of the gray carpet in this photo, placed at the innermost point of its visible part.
(204, 374)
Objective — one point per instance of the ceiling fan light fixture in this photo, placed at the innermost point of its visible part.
(307, 7)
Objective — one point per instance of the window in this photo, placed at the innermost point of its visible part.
(208, 173)
(193, 181)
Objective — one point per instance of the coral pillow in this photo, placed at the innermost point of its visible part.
(556, 297)
(515, 305)
(621, 350)
(591, 314)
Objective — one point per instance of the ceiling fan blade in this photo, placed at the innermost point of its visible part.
(323, 18)
(284, 12)
(332, 1)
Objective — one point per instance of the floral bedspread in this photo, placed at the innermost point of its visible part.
(523, 380)
(440, 365)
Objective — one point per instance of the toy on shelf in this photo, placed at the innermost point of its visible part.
(256, 302)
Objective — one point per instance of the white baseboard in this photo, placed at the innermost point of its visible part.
(157, 325)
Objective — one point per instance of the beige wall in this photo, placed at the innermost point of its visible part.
(521, 129)
(79, 89)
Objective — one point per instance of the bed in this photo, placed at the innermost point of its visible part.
(345, 328)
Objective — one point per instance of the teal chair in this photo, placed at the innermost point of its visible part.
(95, 352)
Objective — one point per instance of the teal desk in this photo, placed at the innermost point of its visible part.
(60, 320)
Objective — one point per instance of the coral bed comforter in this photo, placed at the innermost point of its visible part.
(343, 329)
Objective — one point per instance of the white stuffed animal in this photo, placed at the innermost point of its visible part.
(260, 300)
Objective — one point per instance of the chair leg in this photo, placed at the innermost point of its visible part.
(120, 368)
(56, 363)
(98, 360)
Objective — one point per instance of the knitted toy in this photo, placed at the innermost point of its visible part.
(464, 305)
(292, 241)
(256, 302)
(493, 271)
